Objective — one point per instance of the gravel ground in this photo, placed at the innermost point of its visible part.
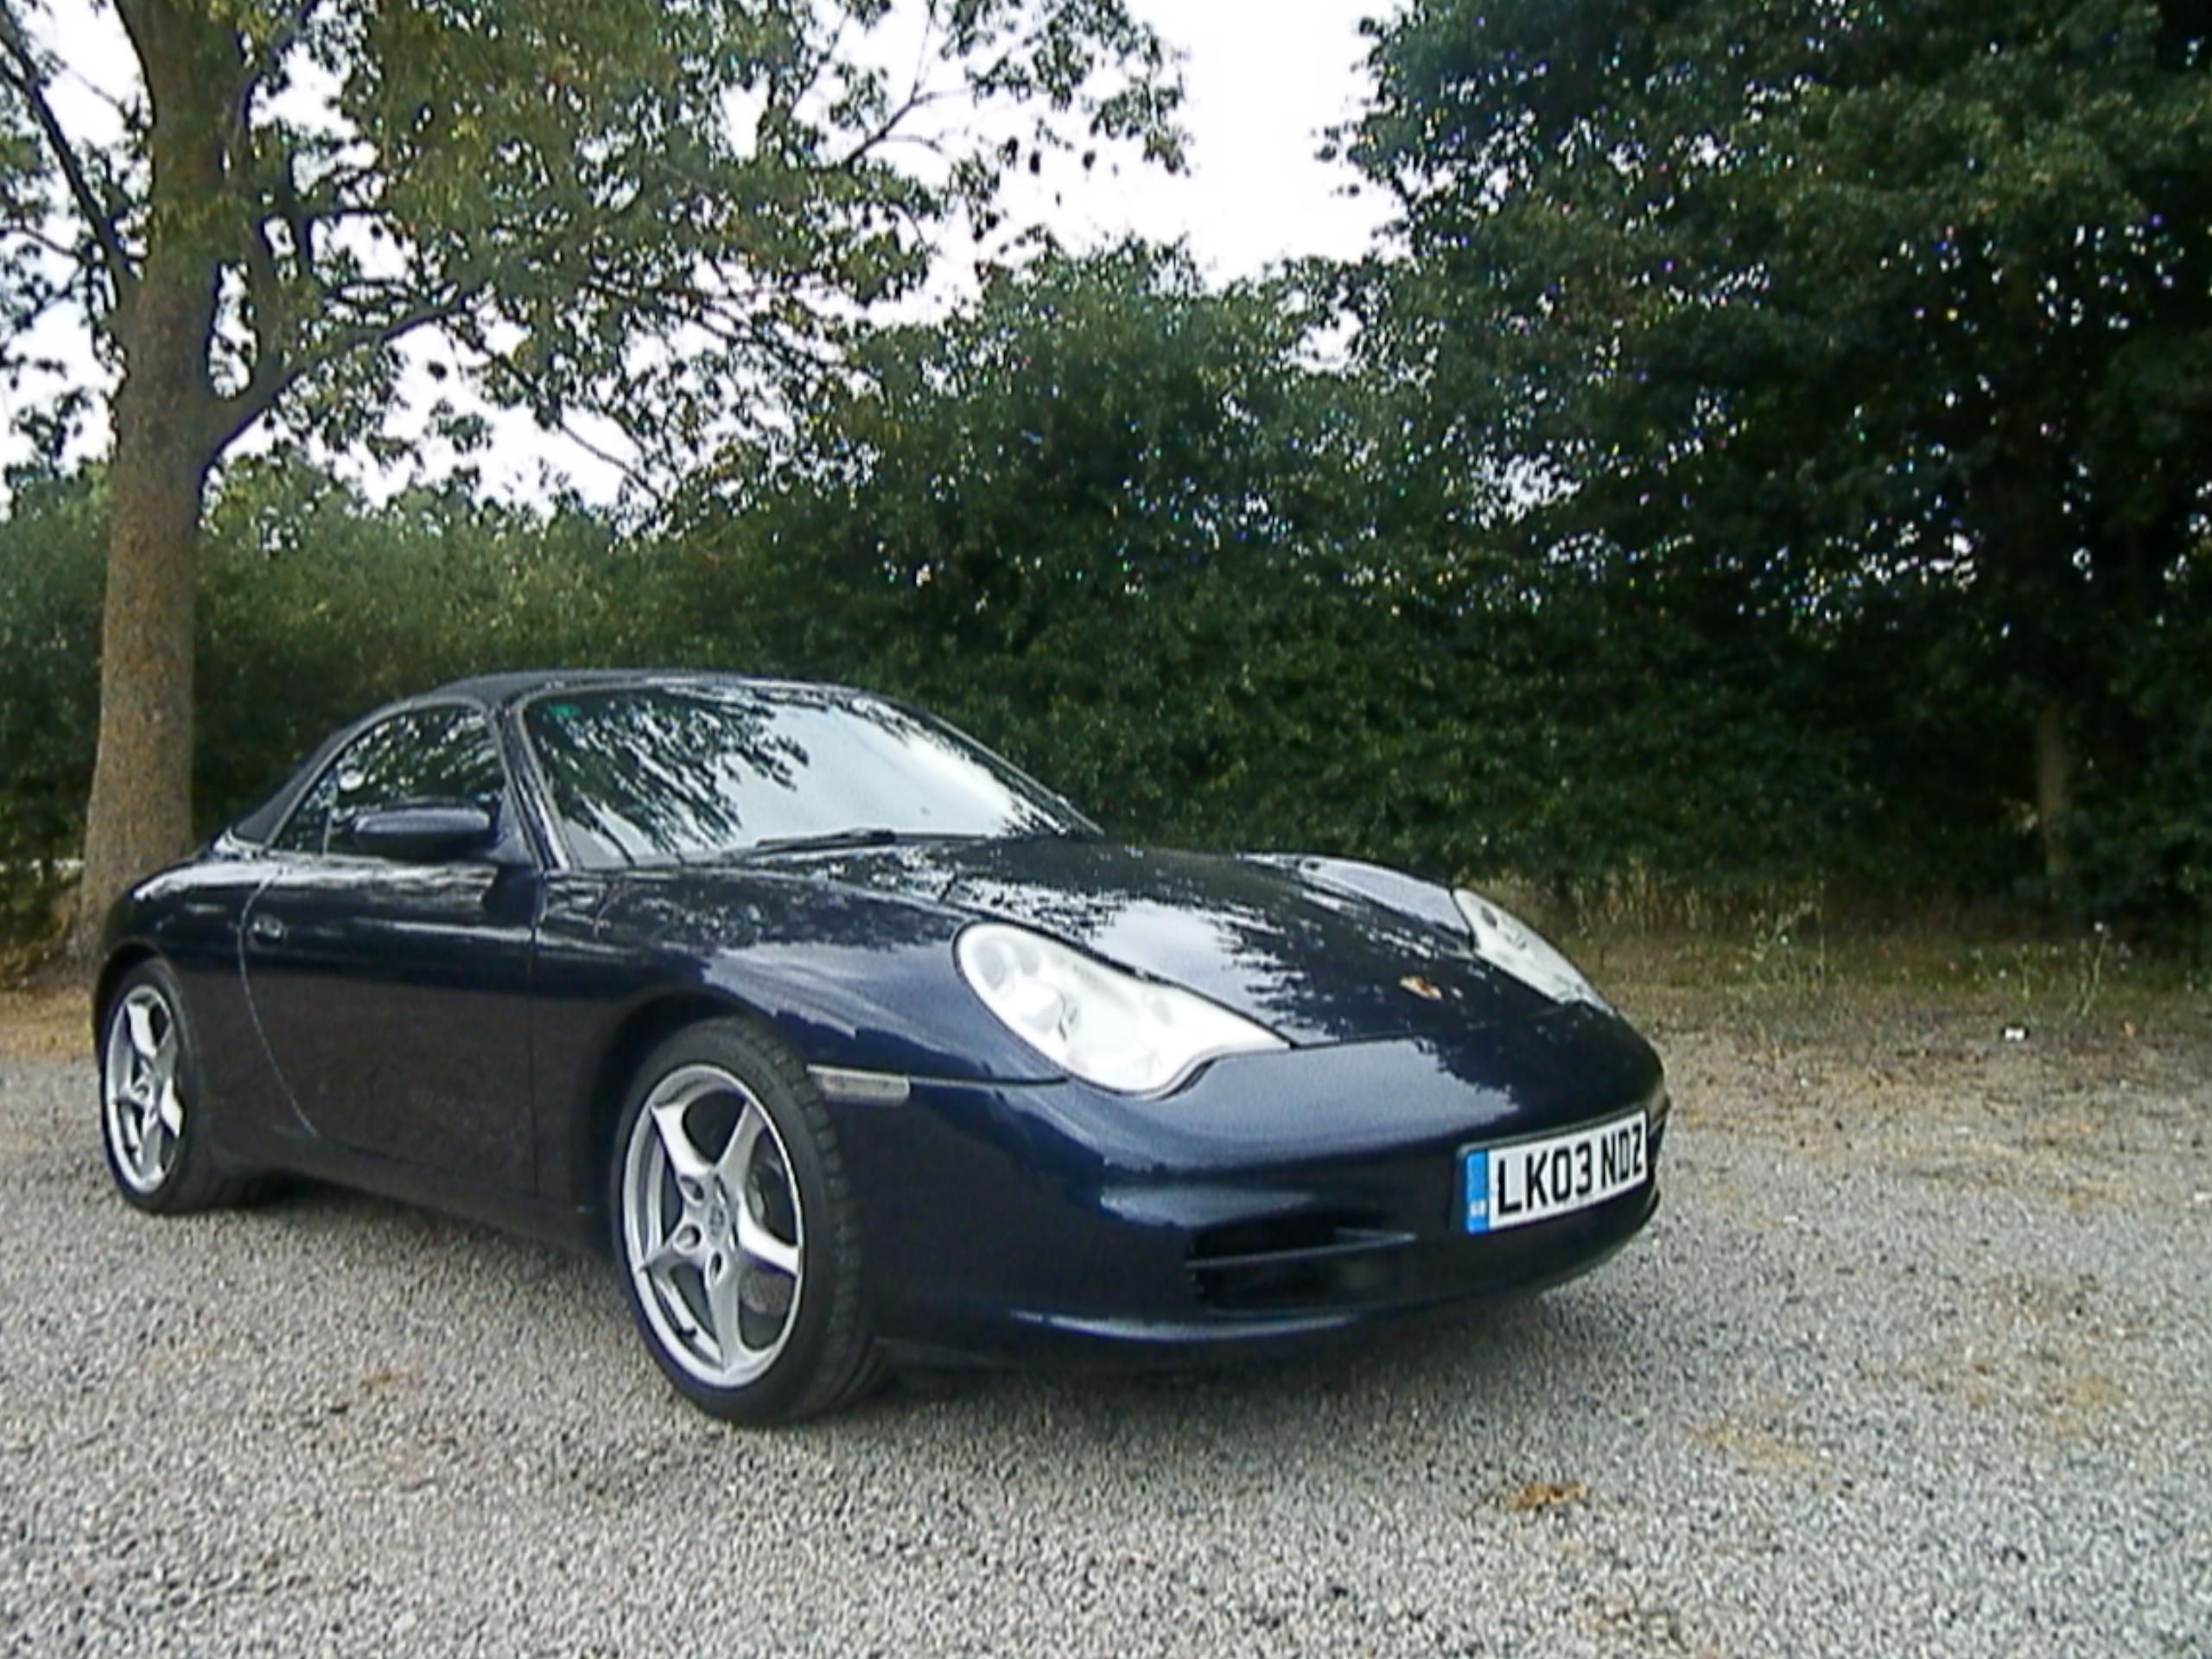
(1917, 1359)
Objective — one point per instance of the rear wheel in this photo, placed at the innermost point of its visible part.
(153, 1116)
(735, 1232)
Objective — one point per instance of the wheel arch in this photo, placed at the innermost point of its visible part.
(118, 966)
(636, 1035)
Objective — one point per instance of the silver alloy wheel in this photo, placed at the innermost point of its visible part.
(143, 1109)
(712, 1232)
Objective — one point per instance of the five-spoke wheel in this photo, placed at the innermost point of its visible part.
(142, 1099)
(153, 1122)
(735, 1230)
(712, 1232)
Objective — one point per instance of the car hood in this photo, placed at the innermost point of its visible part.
(1315, 960)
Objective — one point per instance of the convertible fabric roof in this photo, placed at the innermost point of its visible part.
(501, 689)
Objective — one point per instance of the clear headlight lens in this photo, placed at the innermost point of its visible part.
(1102, 1025)
(1504, 941)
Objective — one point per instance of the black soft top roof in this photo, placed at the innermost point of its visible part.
(497, 690)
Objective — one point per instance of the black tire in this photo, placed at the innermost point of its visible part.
(188, 1171)
(796, 1181)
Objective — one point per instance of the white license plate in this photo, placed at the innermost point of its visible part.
(1523, 1181)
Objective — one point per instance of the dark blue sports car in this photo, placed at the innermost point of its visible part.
(853, 1045)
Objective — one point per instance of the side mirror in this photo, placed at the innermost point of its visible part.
(435, 833)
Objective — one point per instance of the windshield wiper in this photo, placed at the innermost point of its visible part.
(871, 836)
(877, 835)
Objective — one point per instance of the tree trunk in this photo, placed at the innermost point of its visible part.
(2054, 789)
(140, 815)
(166, 434)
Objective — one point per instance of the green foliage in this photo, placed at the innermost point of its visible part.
(49, 600)
(1086, 516)
(317, 606)
(1111, 521)
(656, 213)
(1882, 329)
(1118, 525)
(2145, 829)
(668, 215)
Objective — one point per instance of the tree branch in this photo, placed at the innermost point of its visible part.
(259, 64)
(39, 238)
(23, 72)
(920, 96)
(534, 393)
(278, 370)
(254, 399)
(299, 220)
(270, 325)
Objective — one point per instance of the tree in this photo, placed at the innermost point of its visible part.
(657, 212)
(1095, 426)
(1809, 317)
(1066, 513)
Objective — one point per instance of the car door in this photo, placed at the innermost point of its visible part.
(393, 995)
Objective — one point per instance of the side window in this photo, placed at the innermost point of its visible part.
(427, 755)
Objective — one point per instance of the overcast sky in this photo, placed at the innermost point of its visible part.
(1265, 79)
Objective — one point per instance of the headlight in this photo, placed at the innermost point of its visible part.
(1105, 1026)
(1504, 941)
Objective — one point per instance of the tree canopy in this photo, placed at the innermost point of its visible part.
(657, 213)
(1893, 321)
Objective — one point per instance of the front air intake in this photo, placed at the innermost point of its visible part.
(1312, 1260)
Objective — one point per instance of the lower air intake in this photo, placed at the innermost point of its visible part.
(1295, 1261)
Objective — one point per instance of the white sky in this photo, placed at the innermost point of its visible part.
(1264, 79)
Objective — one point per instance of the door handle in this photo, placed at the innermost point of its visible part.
(267, 929)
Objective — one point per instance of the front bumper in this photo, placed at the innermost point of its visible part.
(1277, 1197)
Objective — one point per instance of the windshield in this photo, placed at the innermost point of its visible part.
(672, 774)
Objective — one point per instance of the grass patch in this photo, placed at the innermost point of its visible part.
(44, 1023)
(1787, 969)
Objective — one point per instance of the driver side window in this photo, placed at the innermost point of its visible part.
(441, 754)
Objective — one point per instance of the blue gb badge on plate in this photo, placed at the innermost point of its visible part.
(1476, 1192)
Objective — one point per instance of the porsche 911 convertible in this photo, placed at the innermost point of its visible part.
(854, 1045)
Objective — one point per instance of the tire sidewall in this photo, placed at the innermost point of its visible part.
(827, 1264)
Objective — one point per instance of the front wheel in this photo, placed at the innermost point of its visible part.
(735, 1232)
(153, 1115)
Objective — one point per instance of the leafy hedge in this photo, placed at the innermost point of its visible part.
(49, 673)
(1109, 523)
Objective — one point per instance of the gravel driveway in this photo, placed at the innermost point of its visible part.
(1916, 1359)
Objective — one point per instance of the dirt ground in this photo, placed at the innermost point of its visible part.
(44, 1024)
